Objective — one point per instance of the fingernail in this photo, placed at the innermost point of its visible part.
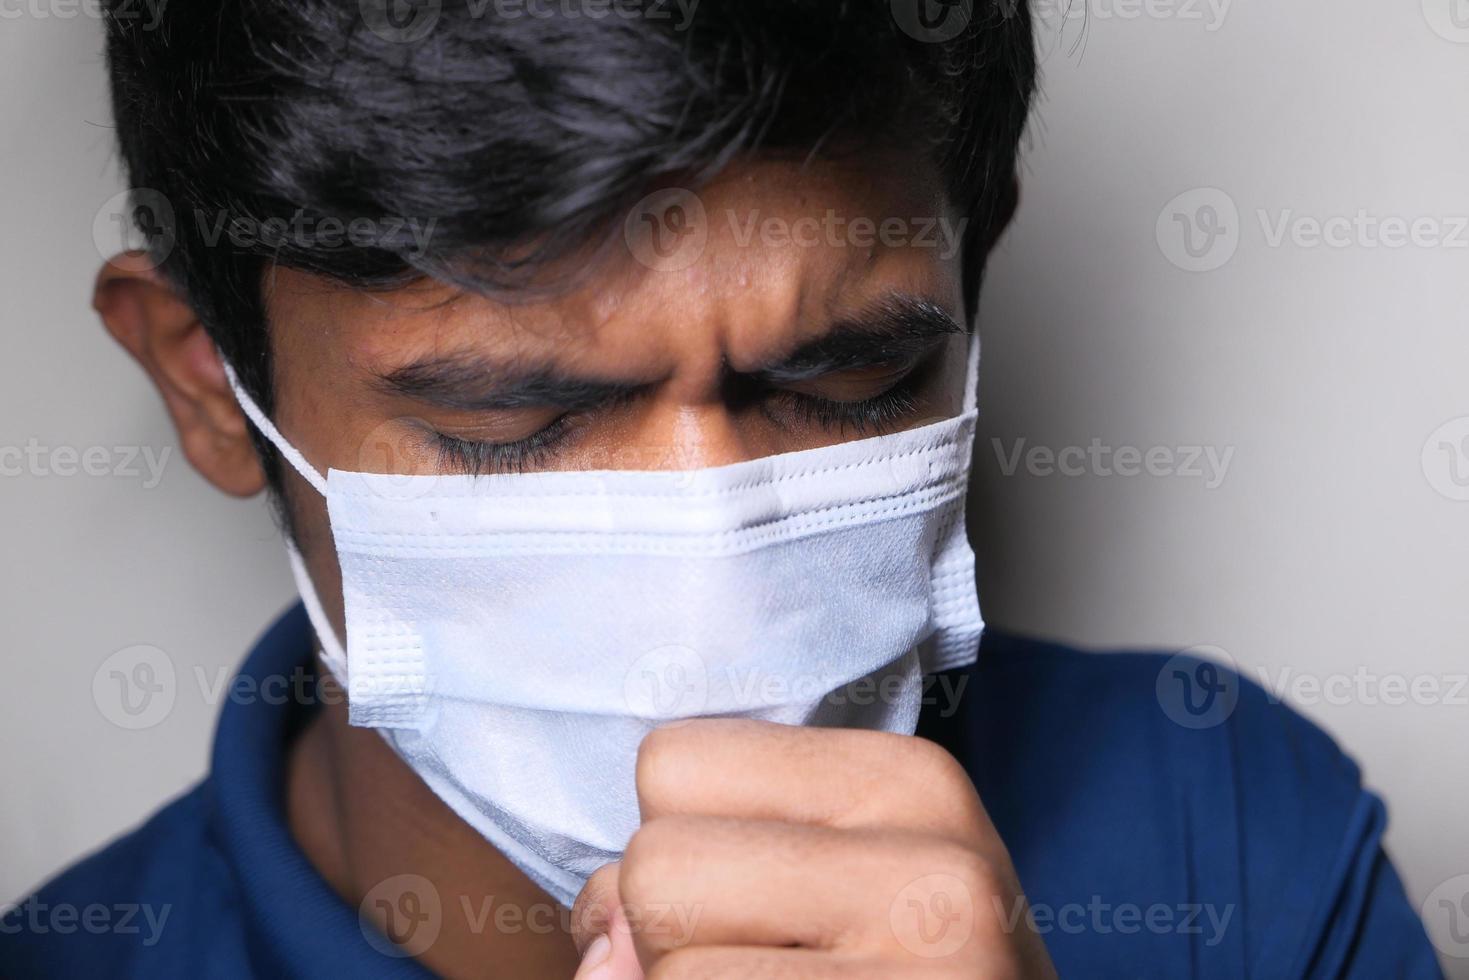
(596, 954)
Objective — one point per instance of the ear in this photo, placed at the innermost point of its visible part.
(144, 314)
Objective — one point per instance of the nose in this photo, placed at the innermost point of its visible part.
(681, 436)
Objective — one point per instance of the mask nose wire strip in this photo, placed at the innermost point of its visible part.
(252, 411)
(971, 378)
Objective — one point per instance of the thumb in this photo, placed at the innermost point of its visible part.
(601, 931)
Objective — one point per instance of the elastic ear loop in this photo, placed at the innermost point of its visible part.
(332, 652)
(252, 411)
(971, 380)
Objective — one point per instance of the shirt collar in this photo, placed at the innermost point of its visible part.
(296, 925)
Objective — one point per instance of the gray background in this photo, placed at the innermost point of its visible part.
(1334, 550)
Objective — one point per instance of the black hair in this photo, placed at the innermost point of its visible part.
(520, 129)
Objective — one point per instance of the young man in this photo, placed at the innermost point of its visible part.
(610, 366)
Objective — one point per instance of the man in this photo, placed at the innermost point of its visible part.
(585, 345)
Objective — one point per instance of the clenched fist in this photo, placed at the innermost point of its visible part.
(777, 851)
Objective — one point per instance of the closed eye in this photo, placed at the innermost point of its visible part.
(815, 402)
(858, 416)
(476, 458)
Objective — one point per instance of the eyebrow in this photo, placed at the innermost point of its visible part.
(471, 383)
(894, 329)
(897, 328)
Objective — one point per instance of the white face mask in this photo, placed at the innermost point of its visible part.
(515, 636)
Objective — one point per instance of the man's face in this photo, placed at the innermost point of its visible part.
(823, 306)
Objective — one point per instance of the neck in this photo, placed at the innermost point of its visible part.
(392, 849)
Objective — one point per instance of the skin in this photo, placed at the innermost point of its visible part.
(764, 850)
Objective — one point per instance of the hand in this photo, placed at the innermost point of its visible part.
(777, 851)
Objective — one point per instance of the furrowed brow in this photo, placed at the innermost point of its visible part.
(899, 328)
(470, 383)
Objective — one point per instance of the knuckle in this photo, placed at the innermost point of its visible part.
(648, 862)
(943, 780)
(592, 910)
(938, 768)
(660, 756)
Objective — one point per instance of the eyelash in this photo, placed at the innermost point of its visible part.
(476, 458)
(860, 417)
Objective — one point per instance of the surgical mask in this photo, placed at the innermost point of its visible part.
(515, 636)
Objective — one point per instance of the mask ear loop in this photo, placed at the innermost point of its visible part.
(332, 652)
(252, 411)
(971, 379)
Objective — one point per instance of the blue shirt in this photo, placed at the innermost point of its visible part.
(1166, 820)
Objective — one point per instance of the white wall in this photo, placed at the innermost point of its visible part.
(94, 564)
(1326, 550)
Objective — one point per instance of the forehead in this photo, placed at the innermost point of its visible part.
(751, 265)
